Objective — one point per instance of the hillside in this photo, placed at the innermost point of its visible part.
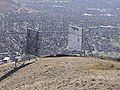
(64, 73)
(13, 19)
(52, 15)
(4, 6)
(7, 6)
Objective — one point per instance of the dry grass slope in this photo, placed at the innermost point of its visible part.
(64, 73)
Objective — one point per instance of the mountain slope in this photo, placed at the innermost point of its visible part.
(53, 15)
(7, 5)
(13, 19)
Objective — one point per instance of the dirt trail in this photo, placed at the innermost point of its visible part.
(65, 73)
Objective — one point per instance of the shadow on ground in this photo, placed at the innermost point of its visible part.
(60, 55)
(9, 73)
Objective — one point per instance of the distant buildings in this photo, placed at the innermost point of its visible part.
(6, 59)
(104, 38)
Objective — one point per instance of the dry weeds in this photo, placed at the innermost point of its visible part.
(65, 73)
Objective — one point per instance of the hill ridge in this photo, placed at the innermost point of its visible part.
(65, 73)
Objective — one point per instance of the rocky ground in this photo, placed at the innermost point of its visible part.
(63, 73)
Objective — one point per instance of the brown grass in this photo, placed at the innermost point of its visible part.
(104, 66)
(65, 73)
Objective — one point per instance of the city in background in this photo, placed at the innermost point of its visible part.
(99, 20)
